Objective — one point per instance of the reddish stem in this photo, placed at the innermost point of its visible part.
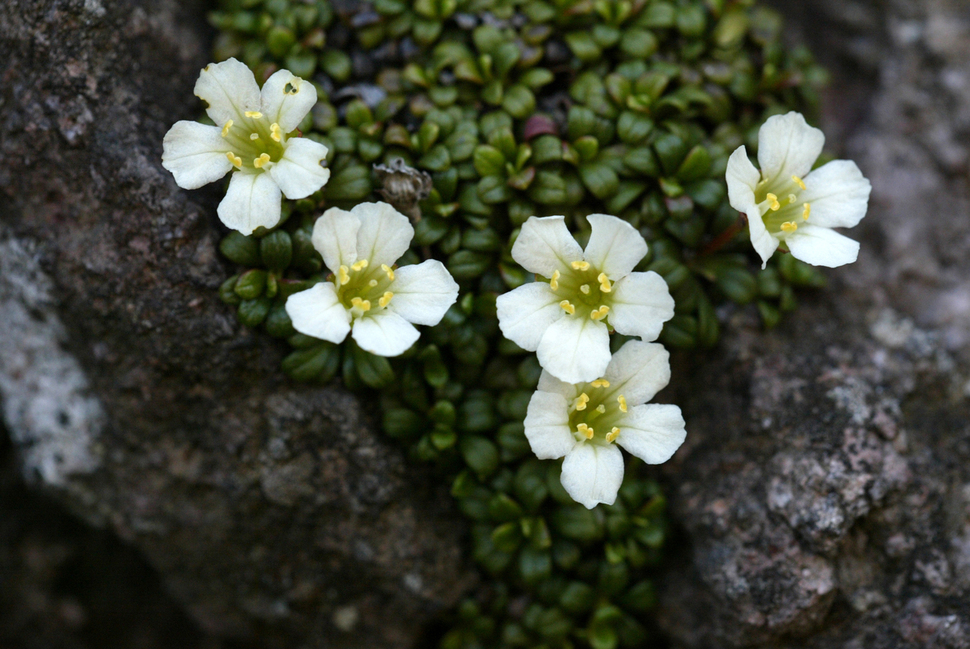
(725, 237)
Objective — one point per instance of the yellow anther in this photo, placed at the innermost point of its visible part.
(798, 181)
(567, 307)
(775, 205)
(585, 430)
(806, 210)
(255, 114)
(261, 160)
(600, 383)
(601, 409)
(385, 299)
(363, 305)
(342, 276)
(372, 283)
(580, 265)
(789, 226)
(791, 198)
(358, 265)
(390, 271)
(254, 136)
(611, 436)
(600, 313)
(225, 129)
(585, 289)
(604, 283)
(622, 401)
(235, 160)
(275, 132)
(581, 401)
(554, 281)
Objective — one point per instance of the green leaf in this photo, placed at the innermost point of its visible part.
(488, 160)
(600, 179)
(375, 371)
(480, 454)
(240, 249)
(319, 362)
(276, 250)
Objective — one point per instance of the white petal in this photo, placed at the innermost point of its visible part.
(547, 426)
(592, 474)
(544, 246)
(525, 313)
(549, 383)
(788, 146)
(838, 194)
(335, 238)
(641, 305)
(763, 242)
(423, 292)
(385, 333)
(298, 173)
(615, 246)
(384, 234)
(575, 349)
(317, 312)
(252, 200)
(287, 108)
(638, 370)
(742, 180)
(652, 432)
(195, 154)
(820, 246)
(229, 88)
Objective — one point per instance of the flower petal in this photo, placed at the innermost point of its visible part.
(838, 194)
(615, 246)
(298, 173)
(820, 246)
(763, 242)
(544, 246)
(547, 426)
(252, 200)
(195, 154)
(638, 371)
(335, 237)
(423, 292)
(652, 432)
(592, 474)
(742, 180)
(286, 99)
(525, 313)
(641, 305)
(788, 146)
(229, 88)
(384, 234)
(549, 383)
(575, 349)
(317, 312)
(385, 333)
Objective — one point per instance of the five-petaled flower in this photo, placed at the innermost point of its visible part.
(788, 203)
(252, 136)
(585, 422)
(378, 301)
(564, 319)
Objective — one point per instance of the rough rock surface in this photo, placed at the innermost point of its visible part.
(824, 490)
(132, 395)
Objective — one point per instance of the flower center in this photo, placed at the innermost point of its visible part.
(594, 413)
(781, 210)
(586, 291)
(255, 142)
(362, 288)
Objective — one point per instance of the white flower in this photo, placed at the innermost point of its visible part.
(584, 422)
(564, 319)
(367, 293)
(252, 137)
(787, 202)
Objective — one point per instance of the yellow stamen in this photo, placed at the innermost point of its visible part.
(580, 265)
(254, 136)
(604, 283)
(372, 283)
(600, 383)
(622, 401)
(385, 299)
(390, 271)
(255, 114)
(601, 409)
(775, 205)
(225, 129)
(554, 281)
(235, 160)
(363, 305)
(585, 430)
(275, 132)
(807, 209)
(600, 313)
(567, 307)
(798, 181)
(342, 275)
(261, 160)
(581, 401)
(359, 264)
(791, 198)
(611, 436)
(585, 289)
(789, 226)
